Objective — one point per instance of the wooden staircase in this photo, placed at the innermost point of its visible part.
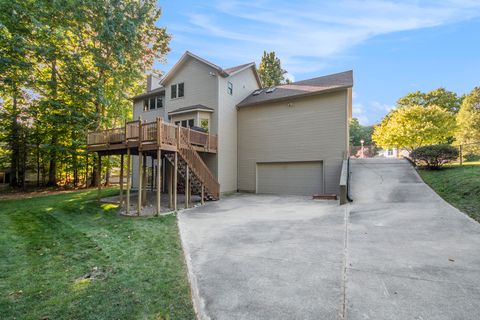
(199, 173)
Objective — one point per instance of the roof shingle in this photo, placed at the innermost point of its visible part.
(301, 88)
(191, 108)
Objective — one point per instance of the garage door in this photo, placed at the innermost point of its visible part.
(298, 178)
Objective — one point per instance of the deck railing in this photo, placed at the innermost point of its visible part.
(195, 162)
(132, 130)
(148, 132)
(169, 133)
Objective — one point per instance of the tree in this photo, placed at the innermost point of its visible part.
(468, 122)
(270, 70)
(359, 132)
(414, 126)
(15, 75)
(441, 97)
(80, 61)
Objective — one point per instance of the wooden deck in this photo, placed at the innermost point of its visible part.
(141, 136)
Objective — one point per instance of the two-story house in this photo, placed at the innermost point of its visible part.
(288, 139)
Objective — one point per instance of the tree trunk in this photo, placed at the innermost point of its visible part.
(52, 172)
(95, 181)
(14, 143)
(75, 169)
(24, 165)
(37, 152)
(107, 174)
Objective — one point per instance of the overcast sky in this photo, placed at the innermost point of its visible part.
(393, 47)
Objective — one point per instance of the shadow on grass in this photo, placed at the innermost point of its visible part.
(68, 257)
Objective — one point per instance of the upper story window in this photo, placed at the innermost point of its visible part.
(177, 90)
(230, 88)
(152, 103)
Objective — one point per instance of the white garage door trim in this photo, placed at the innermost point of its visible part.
(271, 190)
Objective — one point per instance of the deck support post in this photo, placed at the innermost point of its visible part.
(175, 173)
(152, 186)
(159, 178)
(121, 180)
(128, 182)
(203, 195)
(99, 176)
(170, 185)
(187, 186)
(145, 181)
(140, 182)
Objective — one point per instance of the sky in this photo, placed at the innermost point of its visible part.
(393, 47)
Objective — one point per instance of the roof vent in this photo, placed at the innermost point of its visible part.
(257, 92)
(270, 90)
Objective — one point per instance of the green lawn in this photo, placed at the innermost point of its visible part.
(68, 257)
(459, 185)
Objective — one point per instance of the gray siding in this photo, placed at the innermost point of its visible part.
(148, 116)
(311, 129)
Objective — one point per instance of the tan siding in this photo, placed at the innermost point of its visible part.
(243, 84)
(312, 129)
(299, 178)
(200, 87)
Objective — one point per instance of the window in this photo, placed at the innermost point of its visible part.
(230, 88)
(177, 90)
(204, 124)
(186, 123)
(159, 102)
(390, 152)
(181, 88)
(152, 103)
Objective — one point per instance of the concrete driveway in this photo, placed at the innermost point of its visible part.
(397, 252)
(410, 255)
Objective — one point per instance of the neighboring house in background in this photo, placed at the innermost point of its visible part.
(288, 139)
(393, 153)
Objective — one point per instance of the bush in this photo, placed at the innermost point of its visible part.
(472, 157)
(434, 156)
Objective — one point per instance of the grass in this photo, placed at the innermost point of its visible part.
(68, 257)
(459, 185)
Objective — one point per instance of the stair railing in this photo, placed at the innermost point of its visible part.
(196, 164)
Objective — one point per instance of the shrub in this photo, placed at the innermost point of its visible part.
(472, 157)
(434, 156)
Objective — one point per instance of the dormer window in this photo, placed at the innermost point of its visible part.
(177, 90)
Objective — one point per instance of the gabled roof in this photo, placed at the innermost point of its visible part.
(222, 72)
(235, 69)
(302, 88)
(155, 92)
(197, 107)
